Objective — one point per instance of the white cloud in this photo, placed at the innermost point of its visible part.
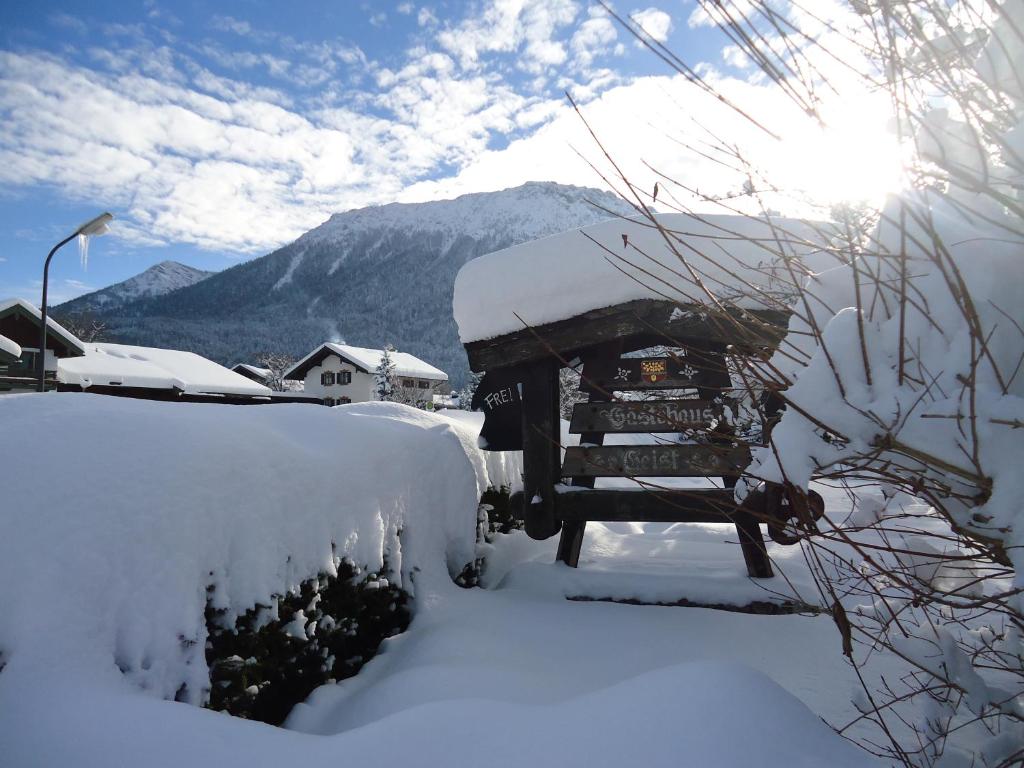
(656, 23)
(594, 37)
(184, 149)
(231, 24)
(426, 18)
(405, 9)
(506, 26)
(67, 21)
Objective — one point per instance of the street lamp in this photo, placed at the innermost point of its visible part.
(91, 228)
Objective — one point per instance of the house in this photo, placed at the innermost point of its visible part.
(154, 374)
(117, 369)
(19, 332)
(253, 372)
(339, 373)
(264, 376)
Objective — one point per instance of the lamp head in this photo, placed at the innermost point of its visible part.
(96, 227)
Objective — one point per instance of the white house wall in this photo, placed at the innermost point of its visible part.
(361, 389)
(363, 386)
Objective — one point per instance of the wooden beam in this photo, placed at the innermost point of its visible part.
(655, 460)
(712, 505)
(642, 416)
(632, 374)
(656, 322)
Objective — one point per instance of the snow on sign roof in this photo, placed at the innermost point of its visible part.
(564, 275)
(9, 350)
(52, 325)
(368, 360)
(130, 366)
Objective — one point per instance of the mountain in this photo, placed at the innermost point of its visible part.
(371, 276)
(158, 280)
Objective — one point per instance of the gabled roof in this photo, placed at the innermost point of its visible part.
(53, 328)
(146, 367)
(366, 360)
(252, 370)
(9, 351)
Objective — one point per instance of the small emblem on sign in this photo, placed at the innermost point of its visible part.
(653, 371)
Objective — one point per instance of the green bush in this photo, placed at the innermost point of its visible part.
(275, 655)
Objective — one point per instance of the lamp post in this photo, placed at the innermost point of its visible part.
(93, 227)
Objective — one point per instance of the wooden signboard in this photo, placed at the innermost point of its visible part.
(643, 416)
(629, 374)
(497, 395)
(655, 461)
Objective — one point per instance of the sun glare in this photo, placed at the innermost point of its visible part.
(855, 158)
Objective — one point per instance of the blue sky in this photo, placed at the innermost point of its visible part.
(217, 132)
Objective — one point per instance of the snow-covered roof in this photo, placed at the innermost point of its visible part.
(368, 360)
(263, 373)
(129, 366)
(565, 275)
(55, 328)
(9, 350)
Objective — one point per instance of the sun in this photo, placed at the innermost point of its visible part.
(855, 157)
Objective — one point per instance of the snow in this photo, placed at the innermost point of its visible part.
(263, 373)
(104, 570)
(150, 503)
(51, 325)
(9, 347)
(512, 213)
(564, 275)
(289, 273)
(159, 279)
(130, 366)
(368, 359)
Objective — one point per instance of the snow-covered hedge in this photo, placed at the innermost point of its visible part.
(275, 655)
(124, 520)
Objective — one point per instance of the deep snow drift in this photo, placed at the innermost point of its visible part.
(119, 514)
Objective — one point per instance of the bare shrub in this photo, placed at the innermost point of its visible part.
(900, 376)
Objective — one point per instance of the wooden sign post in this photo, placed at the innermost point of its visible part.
(648, 367)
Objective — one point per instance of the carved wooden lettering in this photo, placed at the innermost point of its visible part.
(647, 416)
(655, 461)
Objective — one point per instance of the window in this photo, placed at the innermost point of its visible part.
(408, 383)
(327, 378)
(344, 400)
(344, 377)
(424, 384)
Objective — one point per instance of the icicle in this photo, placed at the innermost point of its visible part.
(83, 250)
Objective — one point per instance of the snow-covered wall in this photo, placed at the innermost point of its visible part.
(118, 514)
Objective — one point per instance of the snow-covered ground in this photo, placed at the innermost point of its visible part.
(119, 513)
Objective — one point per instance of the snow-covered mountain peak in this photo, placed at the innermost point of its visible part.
(532, 210)
(158, 280)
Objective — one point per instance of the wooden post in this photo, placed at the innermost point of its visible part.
(571, 541)
(755, 552)
(542, 458)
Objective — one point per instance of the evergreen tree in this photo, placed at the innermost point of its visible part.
(468, 390)
(385, 375)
